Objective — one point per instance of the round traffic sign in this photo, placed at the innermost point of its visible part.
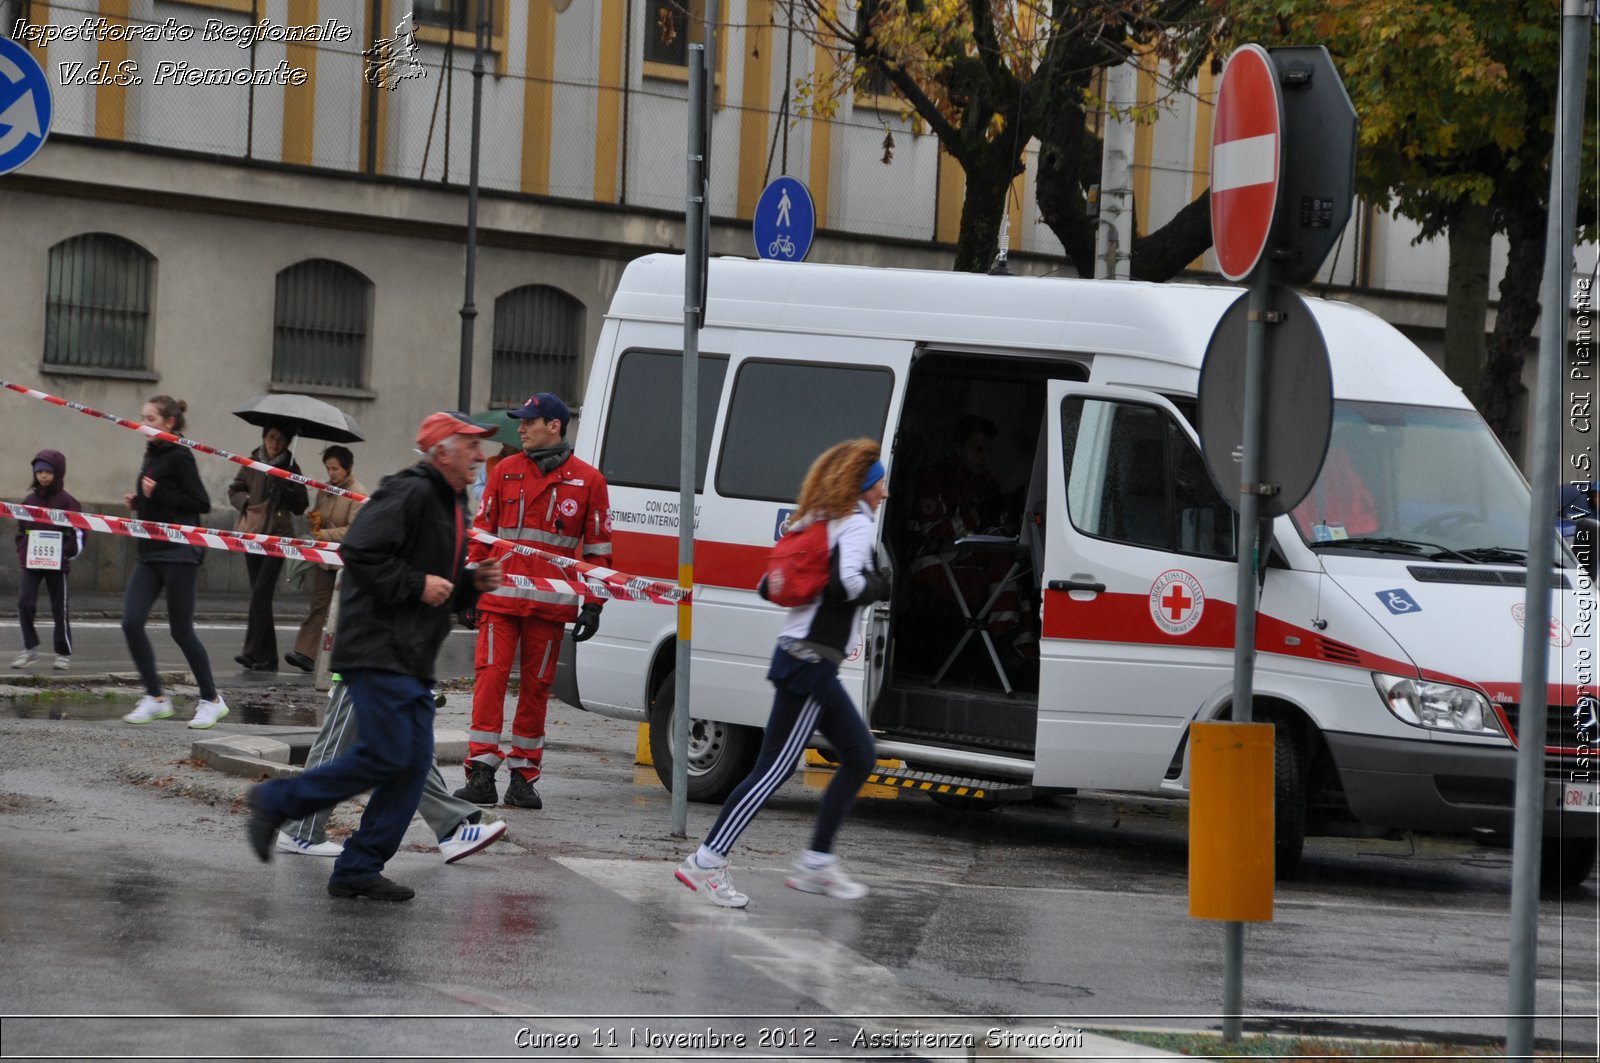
(1297, 403)
(1246, 160)
(25, 105)
(785, 220)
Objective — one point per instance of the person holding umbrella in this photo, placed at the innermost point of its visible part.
(266, 504)
(329, 520)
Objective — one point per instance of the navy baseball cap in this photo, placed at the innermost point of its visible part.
(543, 405)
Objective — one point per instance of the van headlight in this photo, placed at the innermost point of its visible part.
(1439, 706)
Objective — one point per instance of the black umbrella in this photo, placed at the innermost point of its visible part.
(301, 415)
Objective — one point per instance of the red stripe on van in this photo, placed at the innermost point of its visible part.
(1555, 693)
(1126, 618)
(716, 564)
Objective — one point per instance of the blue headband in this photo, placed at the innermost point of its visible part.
(874, 474)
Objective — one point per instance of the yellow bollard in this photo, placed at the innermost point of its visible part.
(641, 747)
(1230, 821)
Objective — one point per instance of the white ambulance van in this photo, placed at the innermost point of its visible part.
(1064, 566)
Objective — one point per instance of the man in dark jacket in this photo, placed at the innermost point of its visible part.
(403, 559)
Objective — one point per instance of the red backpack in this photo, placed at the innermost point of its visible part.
(797, 568)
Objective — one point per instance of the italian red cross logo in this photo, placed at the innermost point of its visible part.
(1176, 601)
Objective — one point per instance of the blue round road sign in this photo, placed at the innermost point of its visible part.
(25, 105)
(785, 221)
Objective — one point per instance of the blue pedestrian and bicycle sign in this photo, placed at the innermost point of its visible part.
(785, 221)
(25, 105)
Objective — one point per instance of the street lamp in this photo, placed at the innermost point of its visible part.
(469, 310)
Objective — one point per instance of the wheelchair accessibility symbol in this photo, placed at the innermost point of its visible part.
(25, 105)
(1399, 601)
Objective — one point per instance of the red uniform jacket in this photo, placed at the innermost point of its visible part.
(566, 511)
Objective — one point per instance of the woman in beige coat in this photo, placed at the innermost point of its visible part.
(329, 520)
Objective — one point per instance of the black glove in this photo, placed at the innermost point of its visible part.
(879, 585)
(588, 622)
(468, 618)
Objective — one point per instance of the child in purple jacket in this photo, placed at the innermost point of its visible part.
(50, 492)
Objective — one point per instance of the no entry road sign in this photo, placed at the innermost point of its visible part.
(1246, 160)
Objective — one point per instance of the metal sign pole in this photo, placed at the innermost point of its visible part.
(695, 252)
(1531, 718)
(1257, 342)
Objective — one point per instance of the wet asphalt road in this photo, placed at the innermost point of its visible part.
(129, 893)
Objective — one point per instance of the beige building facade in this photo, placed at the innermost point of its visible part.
(229, 205)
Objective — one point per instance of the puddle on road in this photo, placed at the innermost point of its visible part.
(87, 707)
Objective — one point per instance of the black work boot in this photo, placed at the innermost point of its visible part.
(521, 794)
(480, 788)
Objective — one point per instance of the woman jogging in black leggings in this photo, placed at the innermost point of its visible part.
(844, 487)
(168, 490)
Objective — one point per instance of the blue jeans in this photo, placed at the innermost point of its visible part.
(394, 719)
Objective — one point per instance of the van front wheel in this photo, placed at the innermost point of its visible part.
(1565, 863)
(720, 754)
(1289, 794)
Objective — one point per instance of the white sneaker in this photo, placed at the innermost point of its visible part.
(288, 843)
(63, 662)
(469, 838)
(830, 880)
(150, 708)
(24, 659)
(712, 882)
(207, 713)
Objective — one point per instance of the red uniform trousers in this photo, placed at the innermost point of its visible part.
(501, 636)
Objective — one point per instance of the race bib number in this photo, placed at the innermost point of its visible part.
(44, 550)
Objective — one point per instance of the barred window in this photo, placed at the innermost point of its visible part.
(538, 345)
(319, 325)
(97, 307)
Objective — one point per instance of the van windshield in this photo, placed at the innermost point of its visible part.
(1417, 481)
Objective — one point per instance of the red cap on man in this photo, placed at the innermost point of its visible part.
(437, 427)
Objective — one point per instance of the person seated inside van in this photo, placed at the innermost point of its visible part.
(1339, 506)
(956, 497)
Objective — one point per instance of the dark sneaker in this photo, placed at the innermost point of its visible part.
(376, 888)
(521, 794)
(300, 661)
(262, 829)
(480, 788)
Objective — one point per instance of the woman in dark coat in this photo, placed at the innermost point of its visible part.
(266, 504)
(168, 490)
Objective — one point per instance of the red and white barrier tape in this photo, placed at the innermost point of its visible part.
(619, 584)
(269, 546)
(181, 534)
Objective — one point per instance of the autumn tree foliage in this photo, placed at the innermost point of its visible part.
(1457, 115)
(987, 77)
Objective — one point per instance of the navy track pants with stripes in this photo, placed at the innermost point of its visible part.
(809, 698)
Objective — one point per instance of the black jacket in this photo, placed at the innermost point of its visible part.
(413, 526)
(179, 498)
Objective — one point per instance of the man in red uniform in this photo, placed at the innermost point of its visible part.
(545, 498)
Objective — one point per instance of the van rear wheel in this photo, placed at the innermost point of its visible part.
(720, 754)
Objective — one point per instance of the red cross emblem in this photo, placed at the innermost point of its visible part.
(1176, 602)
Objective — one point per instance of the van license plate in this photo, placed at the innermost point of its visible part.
(1581, 797)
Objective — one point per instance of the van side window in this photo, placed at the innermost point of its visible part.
(1134, 477)
(783, 414)
(640, 448)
